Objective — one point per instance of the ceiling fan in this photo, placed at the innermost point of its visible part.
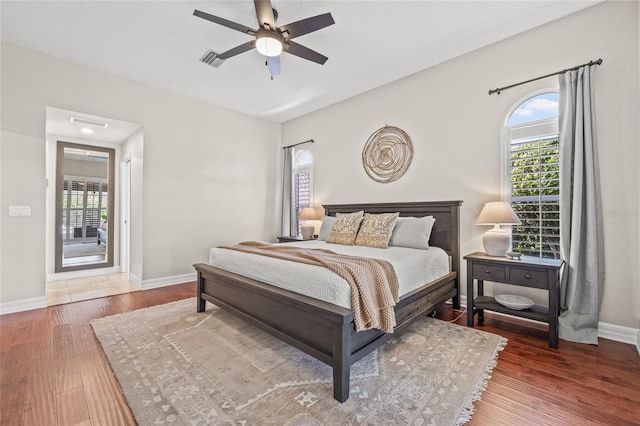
(271, 40)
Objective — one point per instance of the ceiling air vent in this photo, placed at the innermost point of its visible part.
(88, 122)
(211, 58)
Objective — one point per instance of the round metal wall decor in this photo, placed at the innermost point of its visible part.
(387, 154)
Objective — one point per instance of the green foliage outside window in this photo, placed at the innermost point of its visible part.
(535, 197)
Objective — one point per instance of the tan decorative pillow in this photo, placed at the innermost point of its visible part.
(376, 230)
(345, 229)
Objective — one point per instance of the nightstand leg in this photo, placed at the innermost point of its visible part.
(554, 296)
(480, 293)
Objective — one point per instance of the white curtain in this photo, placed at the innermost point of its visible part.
(581, 232)
(288, 206)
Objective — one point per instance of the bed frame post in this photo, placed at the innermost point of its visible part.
(455, 300)
(341, 361)
(455, 249)
(201, 303)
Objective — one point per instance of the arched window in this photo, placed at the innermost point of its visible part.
(302, 182)
(531, 174)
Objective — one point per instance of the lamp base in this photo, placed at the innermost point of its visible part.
(307, 231)
(497, 242)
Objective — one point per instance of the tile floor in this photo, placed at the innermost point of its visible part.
(74, 290)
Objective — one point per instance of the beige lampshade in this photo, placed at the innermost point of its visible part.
(311, 213)
(497, 213)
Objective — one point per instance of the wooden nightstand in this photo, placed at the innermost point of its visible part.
(533, 272)
(287, 239)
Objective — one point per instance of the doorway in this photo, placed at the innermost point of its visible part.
(84, 207)
(98, 222)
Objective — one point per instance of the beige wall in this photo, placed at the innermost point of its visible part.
(22, 181)
(636, 295)
(210, 174)
(455, 128)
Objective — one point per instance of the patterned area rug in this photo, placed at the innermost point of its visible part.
(180, 367)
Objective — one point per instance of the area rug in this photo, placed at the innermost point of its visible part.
(180, 367)
(83, 249)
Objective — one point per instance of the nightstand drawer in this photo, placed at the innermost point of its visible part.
(528, 277)
(488, 272)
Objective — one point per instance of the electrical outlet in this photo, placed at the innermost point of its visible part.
(19, 210)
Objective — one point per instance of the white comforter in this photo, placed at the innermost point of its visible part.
(413, 267)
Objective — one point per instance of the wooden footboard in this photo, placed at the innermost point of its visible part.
(323, 330)
(320, 329)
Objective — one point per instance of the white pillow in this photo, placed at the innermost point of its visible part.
(412, 232)
(325, 228)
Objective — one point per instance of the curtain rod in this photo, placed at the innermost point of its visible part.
(499, 89)
(296, 144)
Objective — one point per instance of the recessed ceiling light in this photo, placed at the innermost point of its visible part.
(86, 130)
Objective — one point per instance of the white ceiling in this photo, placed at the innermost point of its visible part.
(372, 43)
(58, 123)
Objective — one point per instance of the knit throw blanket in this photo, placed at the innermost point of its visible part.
(374, 284)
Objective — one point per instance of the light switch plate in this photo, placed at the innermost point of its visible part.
(19, 210)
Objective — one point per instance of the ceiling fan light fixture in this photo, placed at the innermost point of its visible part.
(268, 44)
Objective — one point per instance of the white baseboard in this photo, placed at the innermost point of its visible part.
(166, 281)
(618, 333)
(82, 274)
(608, 331)
(41, 302)
(136, 280)
(23, 305)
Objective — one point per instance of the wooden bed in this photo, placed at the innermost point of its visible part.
(323, 330)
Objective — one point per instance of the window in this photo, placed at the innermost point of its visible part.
(532, 175)
(302, 178)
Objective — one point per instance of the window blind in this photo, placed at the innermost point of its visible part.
(535, 195)
(302, 187)
(83, 204)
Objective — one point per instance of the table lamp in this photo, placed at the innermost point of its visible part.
(497, 241)
(310, 214)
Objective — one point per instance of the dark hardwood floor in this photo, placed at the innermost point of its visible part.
(53, 371)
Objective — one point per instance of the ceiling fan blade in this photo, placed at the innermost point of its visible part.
(238, 50)
(306, 53)
(273, 62)
(264, 11)
(224, 22)
(306, 26)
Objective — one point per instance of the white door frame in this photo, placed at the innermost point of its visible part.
(125, 212)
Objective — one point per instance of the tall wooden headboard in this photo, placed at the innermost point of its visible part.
(446, 229)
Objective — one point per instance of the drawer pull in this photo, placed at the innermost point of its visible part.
(487, 271)
(527, 276)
